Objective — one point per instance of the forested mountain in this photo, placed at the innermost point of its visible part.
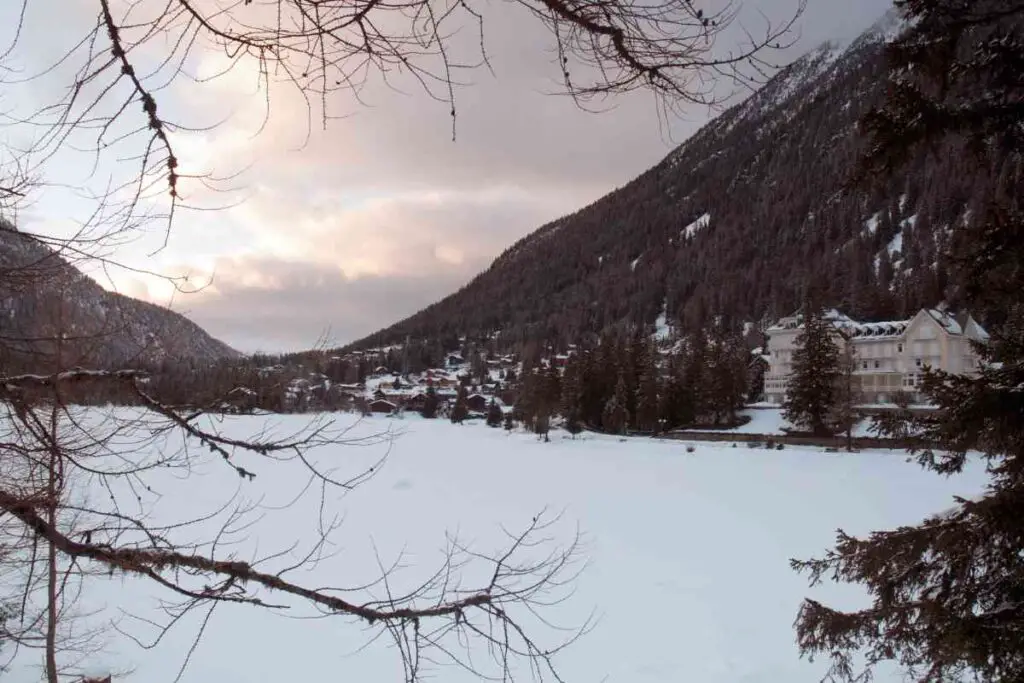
(49, 307)
(739, 221)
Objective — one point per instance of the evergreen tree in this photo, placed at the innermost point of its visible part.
(551, 391)
(948, 593)
(696, 377)
(430, 404)
(647, 401)
(572, 395)
(677, 401)
(460, 411)
(633, 362)
(726, 375)
(811, 391)
(615, 418)
(528, 402)
(542, 425)
(478, 367)
(592, 395)
(757, 368)
(573, 425)
(843, 414)
(494, 415)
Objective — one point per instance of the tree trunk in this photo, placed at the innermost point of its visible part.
(52, 611)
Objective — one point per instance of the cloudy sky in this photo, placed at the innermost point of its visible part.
(339, 232)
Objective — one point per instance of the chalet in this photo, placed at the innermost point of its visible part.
(240, 400)
(477, 403)
(446, 394)
(889, 356)
(381, 405)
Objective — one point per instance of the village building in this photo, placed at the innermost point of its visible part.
(382, 406)
(477, 403)
(889, 357)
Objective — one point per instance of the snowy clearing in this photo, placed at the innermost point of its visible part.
(770, 421)
(696, 226)
(688, 552)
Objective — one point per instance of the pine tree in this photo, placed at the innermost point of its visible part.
(677, 403)
(696, 377)
(647, 401)
(529, 399)
(572, 395)
(843, 414)
(811, 391)
(494, 415)
(755, 379)
(542, 425)
(478, 367)
(551, 389)
(430, 404)
(460, 411)
(948, 593)
(573, 425)
(615, 418)
(726, 373)
(633, 362)
(600, 370)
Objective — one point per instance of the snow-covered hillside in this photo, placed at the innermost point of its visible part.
(688, 552)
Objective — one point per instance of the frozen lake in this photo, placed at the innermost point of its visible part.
(687, 575)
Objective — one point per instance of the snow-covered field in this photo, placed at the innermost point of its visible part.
(688, 552)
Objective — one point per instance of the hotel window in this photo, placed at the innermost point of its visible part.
(876, 365)
(917, 362)
(899, 348)
(865, 365)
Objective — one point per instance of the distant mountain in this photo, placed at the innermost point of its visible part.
(738, 221)
(47, 305)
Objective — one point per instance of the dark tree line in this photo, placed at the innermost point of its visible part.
(626, 383)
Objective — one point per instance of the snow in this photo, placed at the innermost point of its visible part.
(895, 245)
(688, 553)
(770, 421)
(890, 26)
(662, 330)
(871, 224)
(696, 226)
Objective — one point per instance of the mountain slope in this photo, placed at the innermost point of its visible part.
(737, 221)
(44, 298)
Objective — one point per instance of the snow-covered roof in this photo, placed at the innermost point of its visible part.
(953, 325)
(948, 322)
(891, 328)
